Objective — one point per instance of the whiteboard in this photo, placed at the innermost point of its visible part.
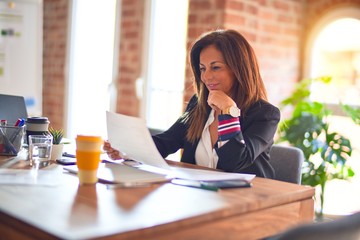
(21, 51)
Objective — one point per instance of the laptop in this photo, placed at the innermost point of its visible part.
(12, 108)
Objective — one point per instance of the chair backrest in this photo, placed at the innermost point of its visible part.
(347, 227)
(155, 131)
(287, 162)
(12, 108)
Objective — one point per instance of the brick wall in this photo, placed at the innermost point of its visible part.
(275, 28)
(54, 58)
(203, 16)
(132, 12)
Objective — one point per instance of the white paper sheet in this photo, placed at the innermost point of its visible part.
(131, 136)
(198, 174)
(206, 175)
(47, 178)
(120, 173)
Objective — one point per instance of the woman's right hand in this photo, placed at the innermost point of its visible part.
(112, 152)
(218, 100)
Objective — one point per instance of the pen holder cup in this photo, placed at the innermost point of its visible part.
(11, 140)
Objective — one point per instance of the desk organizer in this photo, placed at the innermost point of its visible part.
(11, 140)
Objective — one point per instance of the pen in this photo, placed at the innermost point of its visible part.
(65, 154)
(194, 184)
(22, 122)
(18, 122)
(3, 122)
(8, 145)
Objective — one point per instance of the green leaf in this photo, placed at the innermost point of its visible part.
(57, 135)
(326, 153)
(353, 112)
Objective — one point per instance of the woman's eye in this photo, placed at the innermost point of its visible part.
(202, 69)
(215, 67)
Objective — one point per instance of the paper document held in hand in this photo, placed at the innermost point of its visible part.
(131, 136)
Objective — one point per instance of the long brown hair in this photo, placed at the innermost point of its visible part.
(240, 58)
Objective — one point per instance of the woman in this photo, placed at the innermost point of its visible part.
(228, 124)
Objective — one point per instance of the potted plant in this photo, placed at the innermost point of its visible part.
(58, 146)
(326, 152)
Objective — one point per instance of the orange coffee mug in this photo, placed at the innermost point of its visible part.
(88, 150)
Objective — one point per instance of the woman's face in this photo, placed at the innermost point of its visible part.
(215, 74)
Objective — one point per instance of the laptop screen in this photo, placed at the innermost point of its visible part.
(12, 108)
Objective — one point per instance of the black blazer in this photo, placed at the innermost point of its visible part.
(258, 128)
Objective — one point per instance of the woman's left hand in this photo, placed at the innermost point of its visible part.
(112, 152)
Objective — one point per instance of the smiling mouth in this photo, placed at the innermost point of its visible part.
(212, 86)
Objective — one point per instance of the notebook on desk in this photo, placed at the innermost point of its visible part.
(119, 173)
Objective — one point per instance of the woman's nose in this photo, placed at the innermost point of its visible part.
(206, 75)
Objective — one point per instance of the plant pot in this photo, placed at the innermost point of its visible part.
(56, 151)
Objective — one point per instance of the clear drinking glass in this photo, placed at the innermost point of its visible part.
(40, 147)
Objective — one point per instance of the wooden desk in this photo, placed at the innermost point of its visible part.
(161, 211)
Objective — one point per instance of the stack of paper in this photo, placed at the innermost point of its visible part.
(120, 173)
(131, 136)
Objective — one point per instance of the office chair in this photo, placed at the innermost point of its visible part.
(347, 227)
(155, 131)
(287, 162)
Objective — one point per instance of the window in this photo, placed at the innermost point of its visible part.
(165, 63)
(336, 53)
(338, 57)
(90, 66)
(165, 72)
